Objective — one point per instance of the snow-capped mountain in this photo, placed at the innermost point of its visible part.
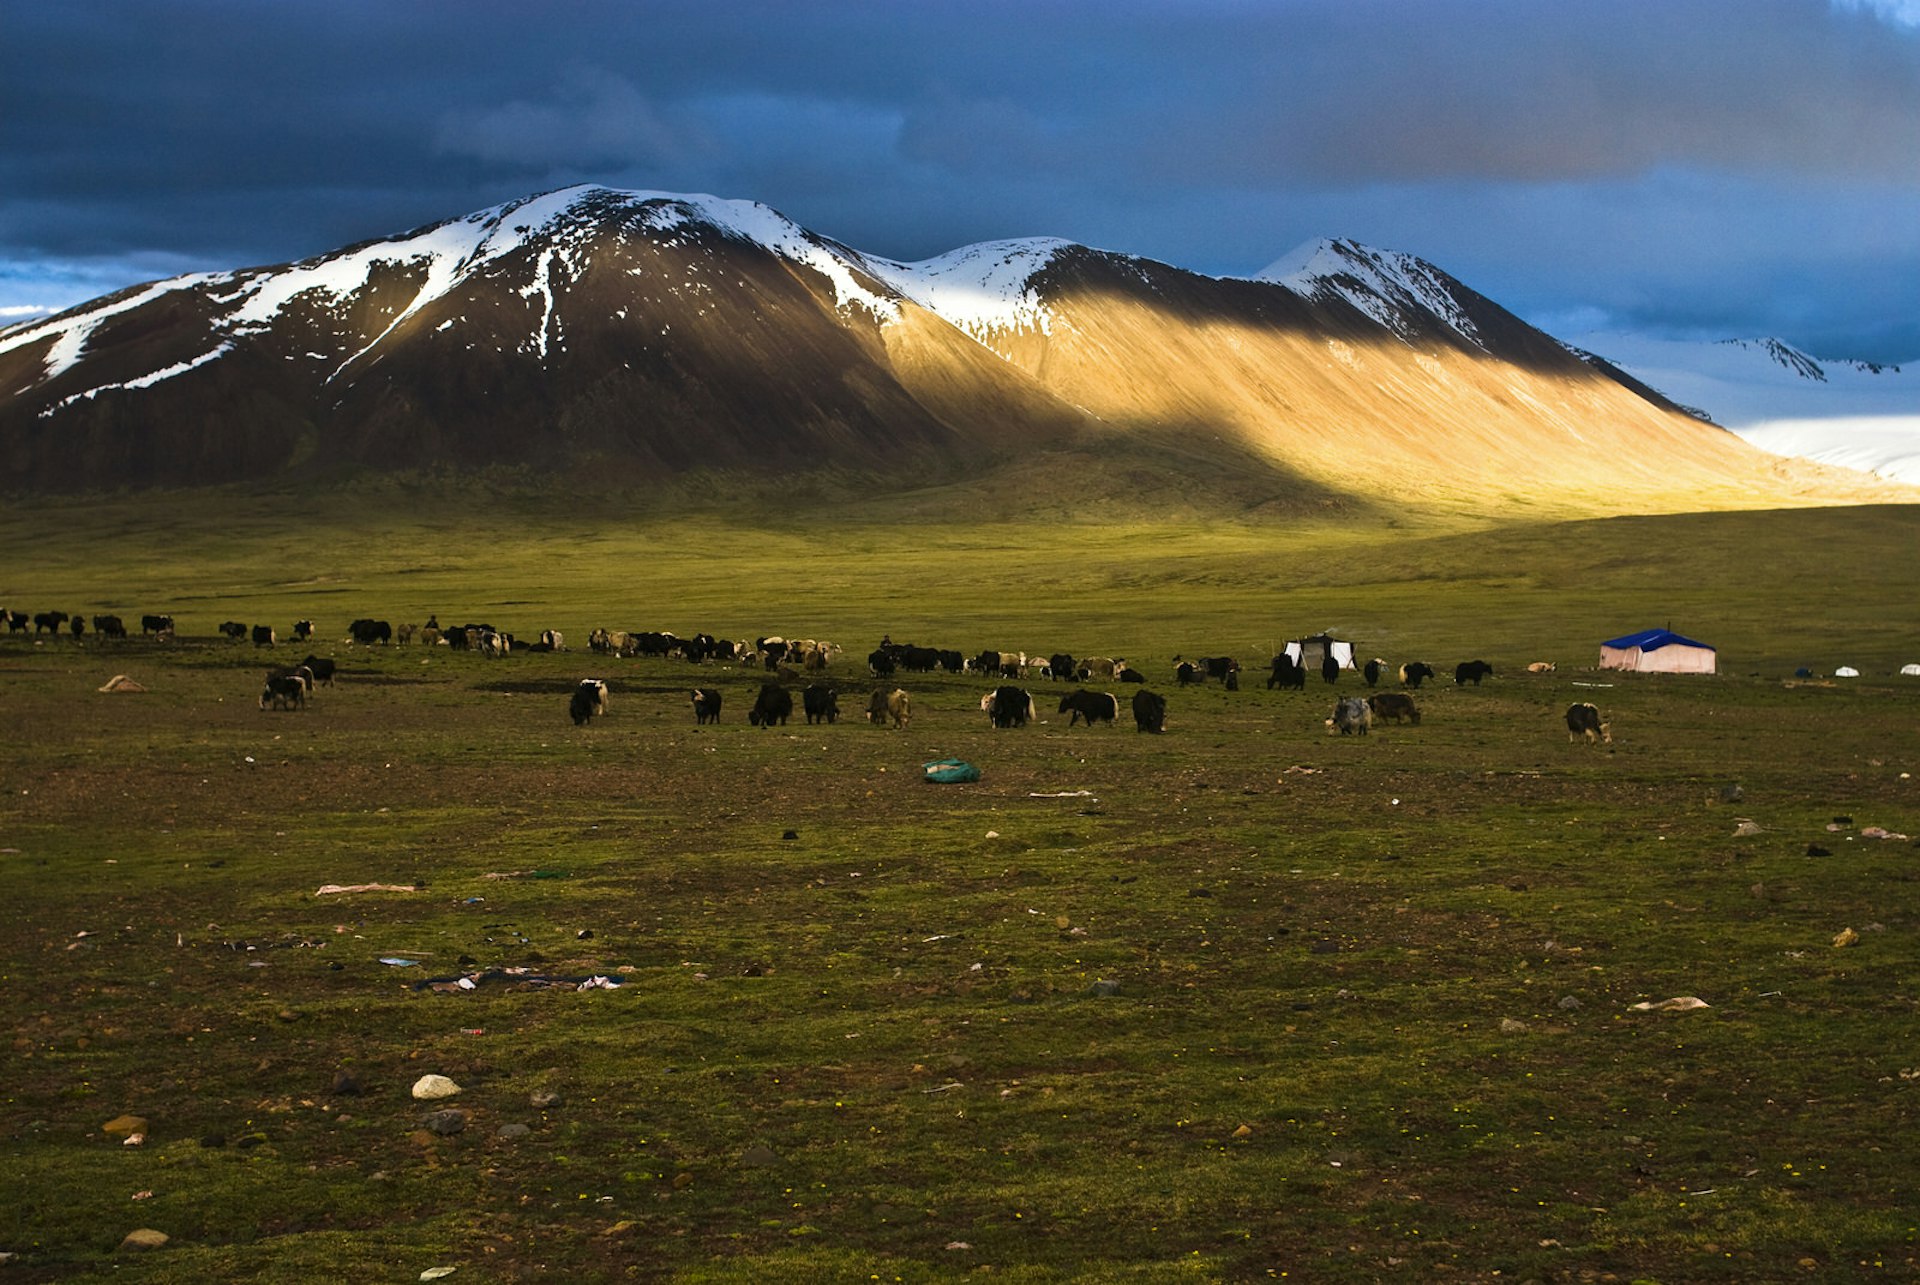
(1394, 288)
(1859, 415)
(624, 336)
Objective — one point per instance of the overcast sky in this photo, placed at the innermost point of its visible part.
(1716, 168)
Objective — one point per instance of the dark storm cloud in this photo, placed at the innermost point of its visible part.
(1211, 133)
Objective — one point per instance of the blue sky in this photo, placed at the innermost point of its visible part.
(1687, 168)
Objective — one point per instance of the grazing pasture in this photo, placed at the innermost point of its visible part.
(1238, 1000)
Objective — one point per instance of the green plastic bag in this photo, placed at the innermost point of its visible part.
(951, 771)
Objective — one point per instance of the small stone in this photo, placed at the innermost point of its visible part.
(1731, 794)
(512, 1132)
(346, 1085)
(789, 834)
(145, 1238)
(1325, 947)
(1568, 1003)
(1846, 937)
(213, 1141)
(122, 1125)
(1815, 850)
(1512, 1026)
(1746, 828)
(1244, 1131)
(543, 1098)
(1103, 988)
(759, 1155)
(682, 1180)
(445, 1123)
(432, 1088)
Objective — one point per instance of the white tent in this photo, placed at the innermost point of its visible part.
(1311, 653)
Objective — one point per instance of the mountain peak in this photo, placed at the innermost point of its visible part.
(983, 289)
(1394, 288)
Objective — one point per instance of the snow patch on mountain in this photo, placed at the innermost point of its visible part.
(764, 226)
(982, 289)
(144, 381)
(1390, 286)
(72, 330)
(1856, 414)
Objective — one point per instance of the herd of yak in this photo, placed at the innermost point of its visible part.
(1007, 705)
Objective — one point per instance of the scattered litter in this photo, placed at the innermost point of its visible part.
(951, 772)
(437, 1273)
(288, 942)
(1304, 771)
(1678, 1004)
(938, 937)
(329, 889)
(526, 874)
(1747, 828)
(120, 683)
(524, 978)
(1578, 683)
(948, 1087)
(1876, 832)
(394, 961)
(1846, 937)
(1062, 794)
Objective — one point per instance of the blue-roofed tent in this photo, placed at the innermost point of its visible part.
(1657, 651)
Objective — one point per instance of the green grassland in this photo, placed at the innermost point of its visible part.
(1243, 1001)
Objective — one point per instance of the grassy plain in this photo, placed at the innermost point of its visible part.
(1372, 1006)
